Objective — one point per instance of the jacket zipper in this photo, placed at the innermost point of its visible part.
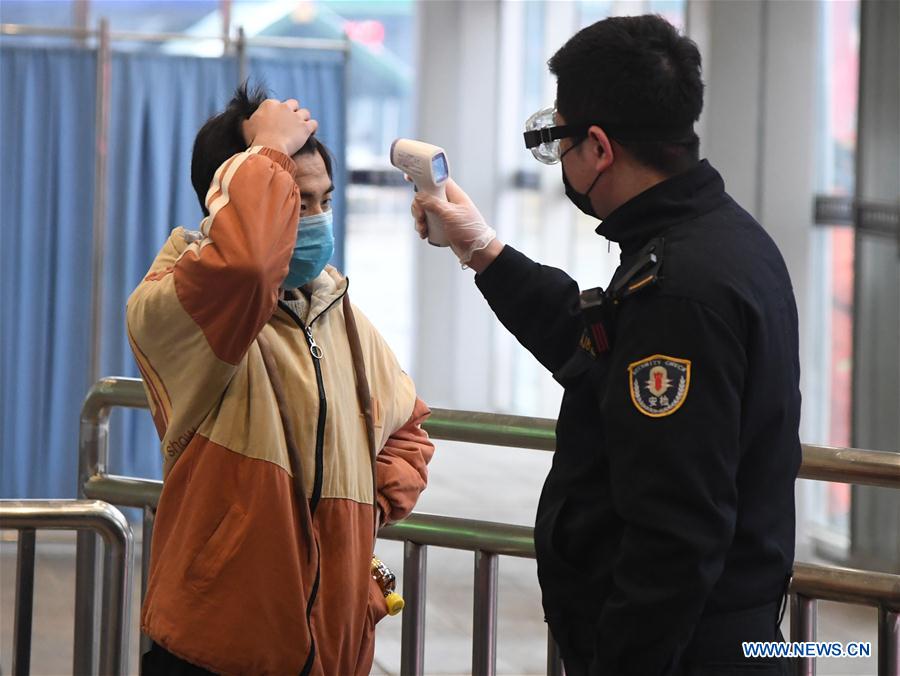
(316, 354)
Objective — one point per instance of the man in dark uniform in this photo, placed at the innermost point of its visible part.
(665, 530)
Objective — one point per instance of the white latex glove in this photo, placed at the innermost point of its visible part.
(463, 224)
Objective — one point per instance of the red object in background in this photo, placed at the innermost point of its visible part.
(841, 335)
(369, 33)
(842, 250)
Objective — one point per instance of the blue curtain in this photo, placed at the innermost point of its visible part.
(158, 102)
(47, 145)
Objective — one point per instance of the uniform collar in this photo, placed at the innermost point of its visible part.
(681, 198)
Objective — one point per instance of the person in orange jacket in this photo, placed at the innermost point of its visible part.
(288, 430)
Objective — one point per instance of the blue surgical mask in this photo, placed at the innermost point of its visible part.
(313, 250)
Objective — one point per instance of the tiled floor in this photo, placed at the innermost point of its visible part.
(474, 482)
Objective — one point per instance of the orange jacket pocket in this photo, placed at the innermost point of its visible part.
(220, 548)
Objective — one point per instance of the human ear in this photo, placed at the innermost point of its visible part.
(601, 148)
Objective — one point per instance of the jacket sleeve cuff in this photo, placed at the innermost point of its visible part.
(277, 157)
(501, 277)
(384, 509)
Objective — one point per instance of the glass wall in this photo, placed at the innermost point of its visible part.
(541, 221)
(832, 289)
(380, 240)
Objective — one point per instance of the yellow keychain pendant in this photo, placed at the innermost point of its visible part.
(387, 581)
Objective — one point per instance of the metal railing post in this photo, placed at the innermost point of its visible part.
(803, 629)
(21, 663)
(241, 48)
(93, 454)
(484, 621)
(117, 577)
(554, 659)
(83, 655)
(412, 641)
(888, 642)
(112, 526)
(225, 10)
(92, 451)
(101, 150)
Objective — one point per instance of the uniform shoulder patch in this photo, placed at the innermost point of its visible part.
(659, 384)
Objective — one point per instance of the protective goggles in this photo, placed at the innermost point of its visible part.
(542, 134)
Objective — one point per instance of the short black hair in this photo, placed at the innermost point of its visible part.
(637, 71)
(220, 138)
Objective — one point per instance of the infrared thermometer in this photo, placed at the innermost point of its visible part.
(427, 166)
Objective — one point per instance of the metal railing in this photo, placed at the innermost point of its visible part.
(29, 516)
(488, 540)
(238, 41)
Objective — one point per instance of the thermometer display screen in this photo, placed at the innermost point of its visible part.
(439, 168)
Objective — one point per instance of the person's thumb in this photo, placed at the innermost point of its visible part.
(455, 194)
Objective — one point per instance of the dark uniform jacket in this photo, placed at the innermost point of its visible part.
(665, 529)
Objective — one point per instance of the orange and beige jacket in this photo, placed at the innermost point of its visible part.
(255, 570)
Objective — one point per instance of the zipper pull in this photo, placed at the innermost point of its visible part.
(314, 349)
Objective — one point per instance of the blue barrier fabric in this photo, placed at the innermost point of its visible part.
(46, 194)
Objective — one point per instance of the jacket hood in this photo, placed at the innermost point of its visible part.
(319, 294)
